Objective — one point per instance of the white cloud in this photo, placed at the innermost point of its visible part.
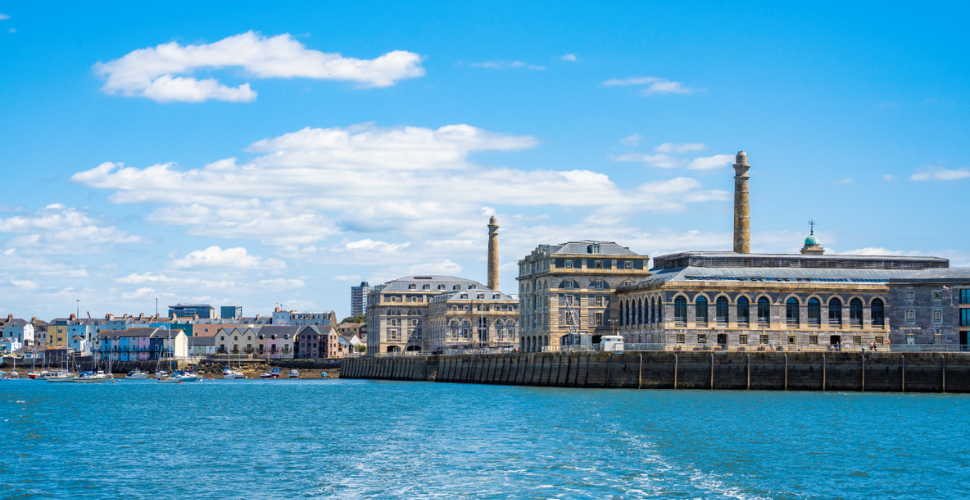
(236, 258)
(569, 57)
(4, 17)
(664, 158)
(889, 177)
(11, 30)
(445, 267)
(25, 284)
(57, 229)
(632, 140)
(654, 85)
(353, 278)
(147, 277)
(316, 183)
(506, 65)
(153, 72)
(881, 251)
(847, 180)
(137, 294)
(939, 174)
(378, 246)
(281, 283)
(669, 147)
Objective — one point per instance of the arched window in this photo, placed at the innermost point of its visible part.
(700, 310)
(653, 310)
(878, 313)
(814, 312)
(660, 310)
(744, 311)
(622, 319)
(835, 312)
(791, 311)
(680, 311)
(569, 284)
(721, 310)
(855, 312)
(764, 311)
(639, 311)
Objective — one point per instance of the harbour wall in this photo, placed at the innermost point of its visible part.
(796, 371)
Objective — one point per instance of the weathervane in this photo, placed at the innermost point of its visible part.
(812, 223)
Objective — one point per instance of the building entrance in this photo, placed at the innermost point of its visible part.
(835, 340)
(722, 340)
(963, 341)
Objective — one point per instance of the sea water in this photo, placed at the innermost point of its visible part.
(265, 439)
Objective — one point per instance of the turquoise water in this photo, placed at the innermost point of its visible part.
(366, 439)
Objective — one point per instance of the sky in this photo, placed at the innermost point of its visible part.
(241, 153)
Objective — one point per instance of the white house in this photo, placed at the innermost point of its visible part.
(21, 330)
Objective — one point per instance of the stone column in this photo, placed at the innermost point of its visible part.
(742, 227)
(493, 254)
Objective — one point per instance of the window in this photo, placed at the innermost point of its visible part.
(937, 295)
(426, 287)
(721, 310)
(937, 315)
(878, 313)
(412, 287)
(791, 311)
(592, 249)
(681, 338)
(857, 339)
(855, 312)
(743, 338)
(599, 302)
(964, 317)
(763, 339)
(599, 319)
(813, 339)
(744, 312)
(835, 312)
(814, 313)
(480, 296)
(937, 338)
(701, 338)
(441, 287)
(598, 264)
(965, 296)
(880, 339)
(791, 339)
(569, 264)
(680, 311)
(910, 295)
(764, 311)
(628, 265)
(700, 310)
(911, 315)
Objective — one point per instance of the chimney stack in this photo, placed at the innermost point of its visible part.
(742, 215)
(493, 254)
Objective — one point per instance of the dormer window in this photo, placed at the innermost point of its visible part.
(464, 295)
(481, 296)
(441, 287)
(426, 287)
(412, 287)
(471, 287)
(456, 287)
(592, 249)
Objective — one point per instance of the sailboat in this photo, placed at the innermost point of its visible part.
(229, 374)
(136, 374)
(92, 378)
(14, 373)
(62, 375)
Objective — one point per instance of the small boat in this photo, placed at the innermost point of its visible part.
(136, 374)
(41, 376)
(92, 378)
(14, 374)
(274, 373)
(169, 380)
(230, 374)
(294, 373)
(60, 376)
(3, 375)
(323, 375)
(187, 377)
(32, 375)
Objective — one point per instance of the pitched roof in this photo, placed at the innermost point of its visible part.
(582, 248)
(402, 284)
(768, 275)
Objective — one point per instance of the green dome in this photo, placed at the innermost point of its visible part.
(812, 240)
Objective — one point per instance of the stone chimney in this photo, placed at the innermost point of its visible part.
(742, 215)
(9, 317)
(72, 316)
(493, 254)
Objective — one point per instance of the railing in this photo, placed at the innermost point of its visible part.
(484, 350)
(400, 354)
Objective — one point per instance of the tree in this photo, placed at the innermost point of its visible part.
(362, 348)
(353, 319)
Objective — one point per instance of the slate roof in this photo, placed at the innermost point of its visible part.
(279, 331)
(952, 273)
(490, 296)
(770, 275)
(401, 284)
(138, 332)
(761, 260)
(581, 248)
(202, 341)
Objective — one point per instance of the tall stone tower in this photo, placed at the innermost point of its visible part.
(742, 214)
(493, 254)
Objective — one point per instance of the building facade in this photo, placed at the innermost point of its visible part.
(358, 298)
(472, 319)
(931, 307)
(202, 311)
(569, 288)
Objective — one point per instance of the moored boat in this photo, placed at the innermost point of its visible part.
(294, 373)
(60, 376)
(230, 374)
(92, 378)
(136, 374)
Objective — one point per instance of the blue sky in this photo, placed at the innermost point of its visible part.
(236, 153)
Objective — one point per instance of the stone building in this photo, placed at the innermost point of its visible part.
(733, 300)
(569, 288)
(400, 314)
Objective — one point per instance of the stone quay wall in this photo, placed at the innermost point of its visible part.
(807, 371)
